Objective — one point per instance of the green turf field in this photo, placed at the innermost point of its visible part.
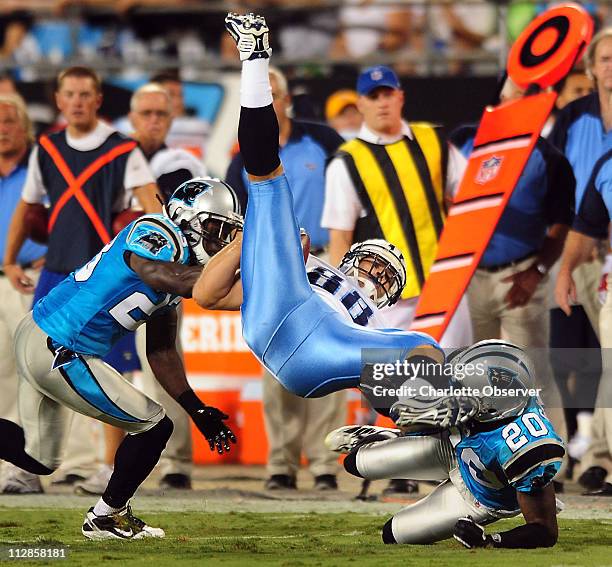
(286, 540)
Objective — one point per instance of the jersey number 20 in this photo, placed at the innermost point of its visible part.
(515, 436)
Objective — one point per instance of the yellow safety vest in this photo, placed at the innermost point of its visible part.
(400, 186)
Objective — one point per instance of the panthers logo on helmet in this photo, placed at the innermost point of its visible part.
(500, 376)
(188, 192)
(153, 242)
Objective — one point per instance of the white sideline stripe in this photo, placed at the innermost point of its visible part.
(427, 322)
(451, 264)
(189, 538)
(462, 208)
(500, 147)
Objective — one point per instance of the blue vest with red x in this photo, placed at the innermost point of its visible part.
(82, 187)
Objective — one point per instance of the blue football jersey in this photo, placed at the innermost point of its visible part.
(523, 455)
(342, 294)
(105, 299)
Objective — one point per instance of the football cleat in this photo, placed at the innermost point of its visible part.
(120, 525)
(251, 34)
(442, 413)
(344, 439)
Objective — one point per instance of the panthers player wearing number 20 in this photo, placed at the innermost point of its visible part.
(137, 278)
(496, 463)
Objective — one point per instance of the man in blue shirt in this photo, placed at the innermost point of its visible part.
(509, 291)
(583, 131)
(296, 424)
(592, 224)
(16, 135)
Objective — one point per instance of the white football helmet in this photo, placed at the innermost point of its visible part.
(494, 364)
(208, 213)
(379, 269)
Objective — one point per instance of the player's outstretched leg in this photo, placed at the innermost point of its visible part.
(272, 266)
(111, 517)
(426, 457)
(433, 518)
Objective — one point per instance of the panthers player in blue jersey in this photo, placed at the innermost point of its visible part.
(137, 278)
(498, 463)
(305, 343)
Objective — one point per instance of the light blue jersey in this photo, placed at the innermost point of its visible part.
(105, 299)
(523, 455)
(307, 344)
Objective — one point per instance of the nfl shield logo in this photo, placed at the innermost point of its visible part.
(376, 75)
(488, 170)
(501, 377)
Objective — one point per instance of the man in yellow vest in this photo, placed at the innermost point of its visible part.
(389, 183)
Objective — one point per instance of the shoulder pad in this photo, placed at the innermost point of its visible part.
(156, 237)
(533, 455)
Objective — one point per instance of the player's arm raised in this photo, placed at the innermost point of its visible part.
(169, 277)
(167, 366)
(219, 285)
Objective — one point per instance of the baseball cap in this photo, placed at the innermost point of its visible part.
(338, 101)
(379, 76)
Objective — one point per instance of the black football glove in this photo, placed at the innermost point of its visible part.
(470, 534)
(209, 420)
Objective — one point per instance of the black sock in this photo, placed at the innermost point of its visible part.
(12, 449)
(387, 533)
(135, 459)
(258, 139)
(350, 463)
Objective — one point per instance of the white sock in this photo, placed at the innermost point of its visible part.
(584, 420)
(255, 89)
(103, 509)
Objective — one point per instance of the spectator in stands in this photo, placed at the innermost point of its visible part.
(87, 171)
(370, 26)
(460, 28)
(296, 424)
(19, 47)
(16, 138)
(305, 30)
(583, 131)
(342, 114)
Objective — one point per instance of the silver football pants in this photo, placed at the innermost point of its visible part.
(423, 458)
(55, 382)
